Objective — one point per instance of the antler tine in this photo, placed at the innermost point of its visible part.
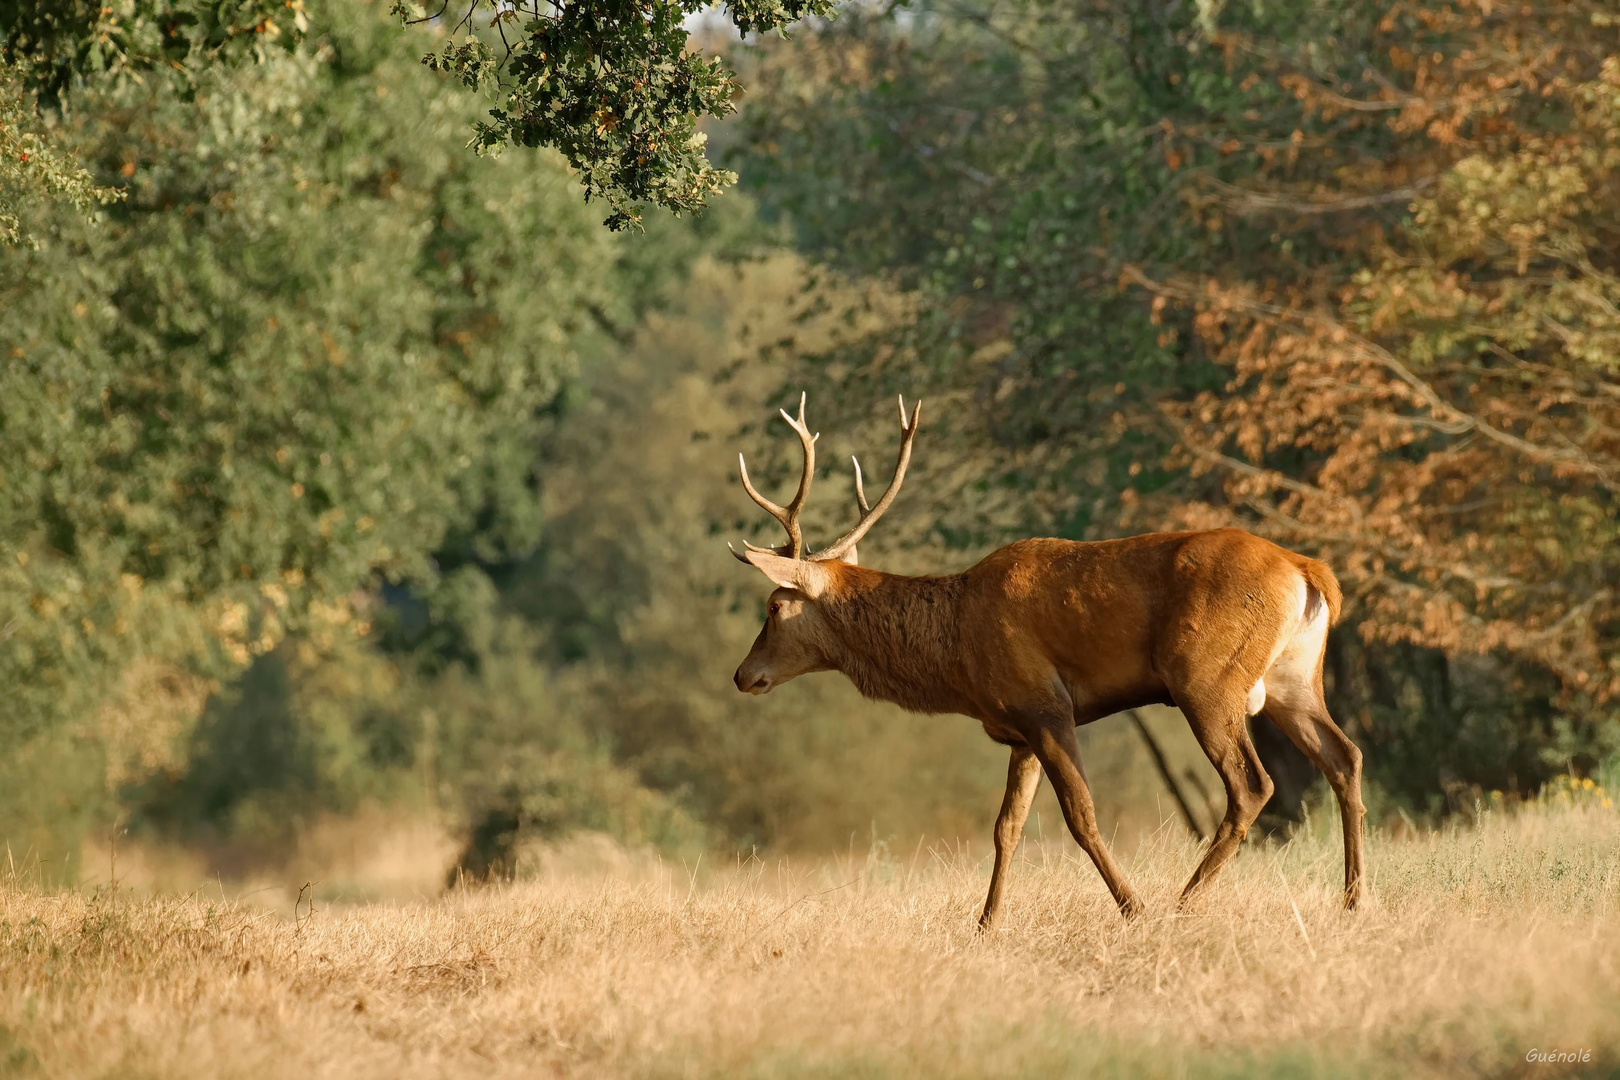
(860, 503)
(844, 543)
(788, 516)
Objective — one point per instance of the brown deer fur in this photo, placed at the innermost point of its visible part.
(1045, 635)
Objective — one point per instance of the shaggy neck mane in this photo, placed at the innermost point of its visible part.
(897, 637)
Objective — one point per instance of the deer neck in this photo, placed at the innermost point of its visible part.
(898, 638)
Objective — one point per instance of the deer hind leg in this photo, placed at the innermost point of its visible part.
(1223, 733)
(1298, 709)
(1294, 703)
(1023, 778)
(1330, 749)
(1058, 751)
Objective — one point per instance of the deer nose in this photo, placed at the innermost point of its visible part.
(755, 685)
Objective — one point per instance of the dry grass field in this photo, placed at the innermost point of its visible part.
(1478, 945)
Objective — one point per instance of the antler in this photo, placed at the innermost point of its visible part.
(789, 516)
(844, 544)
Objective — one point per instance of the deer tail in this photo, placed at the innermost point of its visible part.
(1321, 587)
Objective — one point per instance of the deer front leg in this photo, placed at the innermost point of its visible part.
(1058, 750)
(1023, 779)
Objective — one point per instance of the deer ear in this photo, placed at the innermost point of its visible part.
(810, 578)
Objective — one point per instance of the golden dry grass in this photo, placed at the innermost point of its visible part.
(1476, 946)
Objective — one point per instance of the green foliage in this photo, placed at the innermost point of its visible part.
(318, 728)
(276, 749)
(1443, 730)
(32, 168)
(313, 338)
(613, 85)
(53, 795)
(46, 47)
(59, 41)
(518, 759)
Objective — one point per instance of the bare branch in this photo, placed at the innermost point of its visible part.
(1277, 479)
(1169, 778)
(1246, 201)
(1445, 417)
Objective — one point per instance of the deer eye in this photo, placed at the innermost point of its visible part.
(774, 608)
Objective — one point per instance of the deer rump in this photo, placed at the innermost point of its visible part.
(1169, 618)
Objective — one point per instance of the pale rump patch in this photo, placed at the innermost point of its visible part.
(1290, 674)
(1295, 656)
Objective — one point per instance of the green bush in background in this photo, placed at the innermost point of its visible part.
(314, 341)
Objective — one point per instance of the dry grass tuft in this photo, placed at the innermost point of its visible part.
(1476, 946)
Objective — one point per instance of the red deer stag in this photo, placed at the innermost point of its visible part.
(1044, 635)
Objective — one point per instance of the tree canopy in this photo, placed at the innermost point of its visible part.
(312, 339)
(615, 86)
(45, 48)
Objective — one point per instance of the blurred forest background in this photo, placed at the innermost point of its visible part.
(347, 475)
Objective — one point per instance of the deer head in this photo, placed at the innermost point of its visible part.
(796, 638)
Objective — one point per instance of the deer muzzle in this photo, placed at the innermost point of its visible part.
(751, 682)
